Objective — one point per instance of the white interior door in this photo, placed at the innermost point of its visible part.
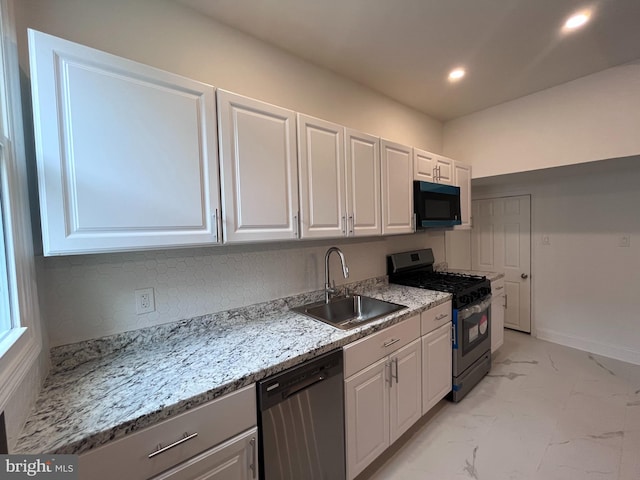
(501, 242)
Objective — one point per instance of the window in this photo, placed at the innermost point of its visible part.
(5, 312)
(20, 335)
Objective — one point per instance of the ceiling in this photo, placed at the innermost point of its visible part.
(405, 48)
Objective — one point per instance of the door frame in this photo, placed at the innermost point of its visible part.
(532, 274)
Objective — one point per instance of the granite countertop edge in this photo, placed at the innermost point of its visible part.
(57, 426)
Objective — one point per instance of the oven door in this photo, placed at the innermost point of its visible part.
(472, 334)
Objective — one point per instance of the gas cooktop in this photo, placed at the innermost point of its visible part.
(415, 269)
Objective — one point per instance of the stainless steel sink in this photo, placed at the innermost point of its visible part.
(349, 312)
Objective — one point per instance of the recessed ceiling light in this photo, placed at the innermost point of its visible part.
(577, 20)
(456, 74)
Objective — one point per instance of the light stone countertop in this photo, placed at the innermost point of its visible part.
(103, 389)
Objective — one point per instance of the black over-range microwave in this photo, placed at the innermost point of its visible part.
(436, 205)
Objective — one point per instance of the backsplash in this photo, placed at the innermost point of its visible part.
(91, 296)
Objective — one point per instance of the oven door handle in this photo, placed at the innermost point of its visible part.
(477, 307)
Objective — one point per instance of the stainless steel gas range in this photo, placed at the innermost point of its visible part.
(471, 314)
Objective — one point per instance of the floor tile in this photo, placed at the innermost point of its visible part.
(545, 412)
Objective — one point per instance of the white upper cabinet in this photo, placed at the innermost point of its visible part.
(321, 157)
(126, 153)
(462, 179)
(424, 165)
(430, 167)
(364, 216)
(397, 188)
(258, 169)
(339, 180)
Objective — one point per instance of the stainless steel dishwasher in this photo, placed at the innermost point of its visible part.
(301, 420)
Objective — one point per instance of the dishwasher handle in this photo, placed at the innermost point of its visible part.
(281, 386)
(304, 385)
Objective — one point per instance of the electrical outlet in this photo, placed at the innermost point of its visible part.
(624, 241)
(145, 301)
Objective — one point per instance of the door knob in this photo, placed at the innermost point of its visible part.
(524, 275)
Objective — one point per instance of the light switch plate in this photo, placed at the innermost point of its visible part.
(624, 241)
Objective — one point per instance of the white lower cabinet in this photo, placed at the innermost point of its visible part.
(217, 440)
(383, 399)
(436, 366)
(436, 355)
(235, 459)
(498, 304)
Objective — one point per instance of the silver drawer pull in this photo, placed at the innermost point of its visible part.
(499, 288)
(252, 466)
(162, 449)
(441, 316)
(390, 342)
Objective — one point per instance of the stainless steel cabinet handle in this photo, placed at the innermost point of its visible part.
(390, 342)
(441, 316)
(499, 288)
(388, 378)
(343, 222)
(351, 223)
(252, 465)
(505, 301)
(413, 222)
(295, 226)
(162, 449)
(395, 362)
(214, 219)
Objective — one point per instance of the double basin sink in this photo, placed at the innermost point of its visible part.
(350, 311)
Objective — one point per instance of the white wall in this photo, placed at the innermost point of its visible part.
(593, 118)
(91, 296)
(584, 286)
(173, 37)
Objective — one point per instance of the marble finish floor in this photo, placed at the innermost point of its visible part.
(545, 412)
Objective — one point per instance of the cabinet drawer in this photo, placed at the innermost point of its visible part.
(497, 287)
(435, 317)
(213, 422)
(368, 350)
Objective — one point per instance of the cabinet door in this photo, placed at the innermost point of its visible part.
(323, 210)
(424, 164)
(444, 170)
(463, 180)
(126, 153)
(436, 366)
(405, 405)
(235, 459)
(259, 171)
(397, 188)
(497, 314)
(364, 217)
(366, 416)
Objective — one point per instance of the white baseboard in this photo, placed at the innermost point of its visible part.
(599, 348)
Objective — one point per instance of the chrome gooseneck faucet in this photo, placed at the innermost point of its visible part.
(330, 288)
